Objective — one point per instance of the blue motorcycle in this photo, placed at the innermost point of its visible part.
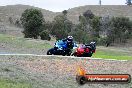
(61, 48)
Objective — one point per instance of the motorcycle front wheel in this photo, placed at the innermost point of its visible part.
(50, 51)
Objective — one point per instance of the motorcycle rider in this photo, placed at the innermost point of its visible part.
(63, 47)
(91, 46)
(69, 42)
(66, 44)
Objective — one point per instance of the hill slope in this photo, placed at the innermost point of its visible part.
(73, 13)
(104, 10)
(15, 12)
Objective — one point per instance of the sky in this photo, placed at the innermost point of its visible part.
(60, 5)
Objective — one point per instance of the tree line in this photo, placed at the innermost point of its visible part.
(104, 30)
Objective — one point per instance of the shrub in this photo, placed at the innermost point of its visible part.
(45, 35)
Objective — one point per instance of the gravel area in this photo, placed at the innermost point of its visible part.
(60, 72)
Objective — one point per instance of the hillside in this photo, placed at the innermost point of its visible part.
(104, 10)
(15, 12)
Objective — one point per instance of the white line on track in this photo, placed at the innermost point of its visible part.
(60, 56)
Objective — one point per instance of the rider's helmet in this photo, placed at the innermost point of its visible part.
(93, 45)
(69, 39)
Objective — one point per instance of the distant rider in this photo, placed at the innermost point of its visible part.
(91, 46)
(66, 43)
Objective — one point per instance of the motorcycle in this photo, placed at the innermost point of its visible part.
(85, 50)
(61, 48)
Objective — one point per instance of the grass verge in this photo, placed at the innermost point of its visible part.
(6, 83)
(112, 54)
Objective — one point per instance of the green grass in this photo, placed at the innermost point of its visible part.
(23, 42)
(6, 83)
(112, 54)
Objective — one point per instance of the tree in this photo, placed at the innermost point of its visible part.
(48, 26)
(45, 35)
(100, 2)
(128, 2)
(32, 21)
(88, 27)
(120, 28)
(11, 20)
(80, 35)
(17, 23)
(64, 12)
(104, 25)
(91, 23)
(61, 26)
(83, 24)
(95, 24)
(88, 14)
(115, 30)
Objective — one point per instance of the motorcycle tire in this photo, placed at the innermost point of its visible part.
(69, 53)
(88, 54)
(74, 54)
(50, 51)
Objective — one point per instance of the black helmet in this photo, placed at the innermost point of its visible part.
(69, 38)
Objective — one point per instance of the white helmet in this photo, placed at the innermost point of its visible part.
(92, 43)
(69, 38)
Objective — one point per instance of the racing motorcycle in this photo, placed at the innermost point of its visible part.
(61, 48)
(85, 50)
